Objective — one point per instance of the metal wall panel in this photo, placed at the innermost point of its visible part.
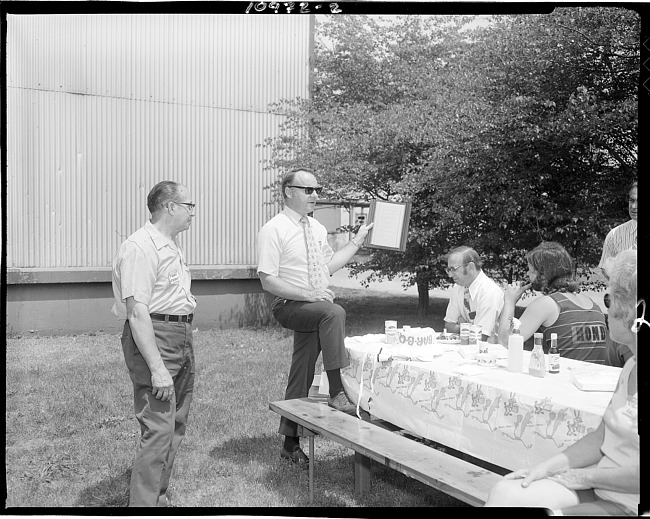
(101, 107)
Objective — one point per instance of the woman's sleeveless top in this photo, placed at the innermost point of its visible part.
(581, 333)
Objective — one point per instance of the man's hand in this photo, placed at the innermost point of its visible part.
(322, 294)
(363, 231)
(163, 385)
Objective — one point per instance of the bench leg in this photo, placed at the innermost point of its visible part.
(311, 470)
(361, 474)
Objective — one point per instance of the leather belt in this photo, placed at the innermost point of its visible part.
(172, 318)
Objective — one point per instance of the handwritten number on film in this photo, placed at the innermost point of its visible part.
(289, 6)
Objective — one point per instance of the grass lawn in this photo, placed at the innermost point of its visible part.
(71, 434)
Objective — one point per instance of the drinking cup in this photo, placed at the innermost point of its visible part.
(464, 333)
(390, 329)
(474, 333)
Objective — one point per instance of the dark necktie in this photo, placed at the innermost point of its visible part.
(467, 299)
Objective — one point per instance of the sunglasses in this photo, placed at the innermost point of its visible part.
(310, 190)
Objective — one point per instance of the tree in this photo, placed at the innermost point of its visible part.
(501, 136)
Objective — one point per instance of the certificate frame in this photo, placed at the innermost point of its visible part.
(391, 221)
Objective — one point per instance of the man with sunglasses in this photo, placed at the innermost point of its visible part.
(151, 285)
(620, 238)
(475, 298)
(295, 263)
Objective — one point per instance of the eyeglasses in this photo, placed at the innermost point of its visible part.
(449, 270)
(190, 206)
(638, 322)
(310, 190)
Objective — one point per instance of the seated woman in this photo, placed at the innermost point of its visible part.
(577, 320)
(599, 474)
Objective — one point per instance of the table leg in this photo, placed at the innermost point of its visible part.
(361, 474)
(311, 470)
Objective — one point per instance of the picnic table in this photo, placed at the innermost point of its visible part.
(507, 419)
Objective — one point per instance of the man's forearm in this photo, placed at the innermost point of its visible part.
(145, 340)
(342, 256)
(452, 327)
(281, 288)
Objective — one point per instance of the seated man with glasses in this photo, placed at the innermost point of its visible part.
(475, 298)
(295, 262)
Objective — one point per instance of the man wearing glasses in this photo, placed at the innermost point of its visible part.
(151, 285)
(475, 298)
(295, 263)
(620, 238)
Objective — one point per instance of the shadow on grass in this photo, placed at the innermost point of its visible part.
(110, 492)
(333, 476)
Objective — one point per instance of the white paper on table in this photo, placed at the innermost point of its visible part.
(367, 339)
(468, 351)
(499, 350)
(415, 353)
(586, 380)
(470, 369)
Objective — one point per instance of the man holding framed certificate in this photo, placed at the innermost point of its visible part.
(295, 262)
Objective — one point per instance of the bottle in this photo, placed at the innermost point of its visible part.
(515, 349)
(553, 356)
(537, 366)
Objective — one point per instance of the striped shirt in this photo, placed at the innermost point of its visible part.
(581, 333)
(620, 238)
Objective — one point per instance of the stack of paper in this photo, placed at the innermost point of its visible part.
(594, 380)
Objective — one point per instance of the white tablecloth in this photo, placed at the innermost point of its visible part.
(509, 419)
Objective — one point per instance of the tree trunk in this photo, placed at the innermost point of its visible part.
(423, 297)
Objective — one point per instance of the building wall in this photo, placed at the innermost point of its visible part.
(102, 107)
(74, 308)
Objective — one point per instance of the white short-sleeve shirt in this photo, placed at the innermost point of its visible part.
(620, 238)
(486, 300)
(151, 268)
(282, 250)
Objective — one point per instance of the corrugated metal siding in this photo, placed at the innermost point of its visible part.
(101, 107)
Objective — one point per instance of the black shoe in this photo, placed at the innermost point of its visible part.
(341, 403)
(296, 456)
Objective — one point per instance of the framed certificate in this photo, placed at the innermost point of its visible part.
(391, 227)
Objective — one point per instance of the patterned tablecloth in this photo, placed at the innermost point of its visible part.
(509, 419)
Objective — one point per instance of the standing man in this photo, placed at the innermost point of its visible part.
(295, 264)
(151, 285)
(475, 298)
(620, 238)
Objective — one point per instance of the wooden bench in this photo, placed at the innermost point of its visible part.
(445, 472)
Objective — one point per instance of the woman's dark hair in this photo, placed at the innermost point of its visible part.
(554, 268)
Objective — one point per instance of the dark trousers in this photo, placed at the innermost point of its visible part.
(317, 327)
(162, 424)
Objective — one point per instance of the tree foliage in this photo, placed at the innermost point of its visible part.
(501, 135)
